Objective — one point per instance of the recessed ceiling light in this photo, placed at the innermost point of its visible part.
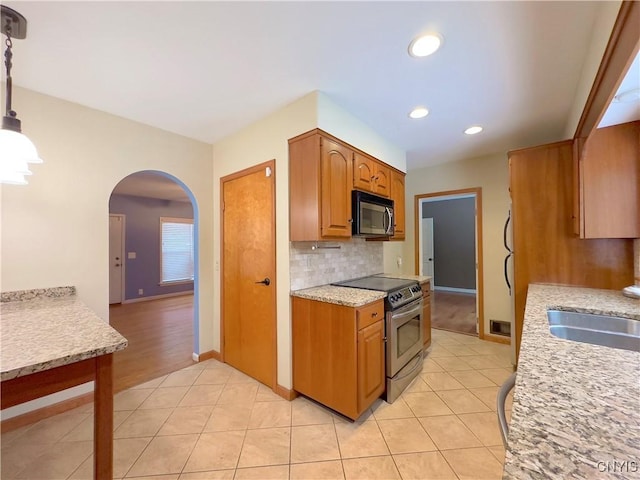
(425, 45)
(473, 130)
(419, 112)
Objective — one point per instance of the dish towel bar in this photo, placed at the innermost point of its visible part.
(506, 387)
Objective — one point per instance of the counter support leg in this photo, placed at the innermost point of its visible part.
(103, 419)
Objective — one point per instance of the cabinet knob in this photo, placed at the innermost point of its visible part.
(374, 314)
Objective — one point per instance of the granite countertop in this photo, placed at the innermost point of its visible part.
(576, 406)
(48, 328)
(418, 278)
(350, 297)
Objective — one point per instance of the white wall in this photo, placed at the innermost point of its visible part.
(55, 230)
(262, 141)
(600, 33)
(341, 124)
(491, 173)
(268, 139)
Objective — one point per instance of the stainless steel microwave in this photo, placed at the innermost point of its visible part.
(372, 215)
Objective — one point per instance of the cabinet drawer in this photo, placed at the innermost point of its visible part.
(369, 314)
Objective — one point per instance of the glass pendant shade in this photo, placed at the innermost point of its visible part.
(16, 152)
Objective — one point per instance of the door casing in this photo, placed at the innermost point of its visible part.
(120, 274)
(450, 194)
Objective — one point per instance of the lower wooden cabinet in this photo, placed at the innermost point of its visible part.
(426, 313)
(371, 378)
(338, 354)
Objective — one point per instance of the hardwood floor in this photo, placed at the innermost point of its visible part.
(454, 312)
(160, 335)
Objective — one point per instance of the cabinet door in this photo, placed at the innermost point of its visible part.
(397, 195)
(371, 376)
(382, 180)
(363, 174)
(610, 182)
(337, 179)
(546, 249)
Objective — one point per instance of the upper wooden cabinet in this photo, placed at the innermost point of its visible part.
(546, 249)
(397, 195)
(320, 184)
(607, 183)
(371, 175)
(323, 171)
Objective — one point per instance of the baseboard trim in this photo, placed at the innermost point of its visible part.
(497, 339)
(470, 291)
(286, 393)
(157, 297)
(45, 412)
(211, 354)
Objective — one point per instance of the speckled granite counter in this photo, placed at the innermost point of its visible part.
(43, 329)
(350, 297)
(47, 329)
(418, 278)
(576, 407)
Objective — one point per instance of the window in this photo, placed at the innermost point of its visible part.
(176, 240)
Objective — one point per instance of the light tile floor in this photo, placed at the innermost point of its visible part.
(209, 421)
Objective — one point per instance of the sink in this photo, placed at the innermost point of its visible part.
(616, 332)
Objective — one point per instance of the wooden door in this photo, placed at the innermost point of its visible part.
(397, 195)
(427, 248)
(371, 373)
(116, 258)
(336, 185)
(248, 258)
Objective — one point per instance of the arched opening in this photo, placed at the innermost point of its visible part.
(153, 276)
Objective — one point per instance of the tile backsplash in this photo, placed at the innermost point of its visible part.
(312, 267)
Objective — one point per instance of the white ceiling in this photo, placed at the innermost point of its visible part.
(207, 69)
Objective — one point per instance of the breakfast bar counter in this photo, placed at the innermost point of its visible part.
(576, 406)
(51, 341)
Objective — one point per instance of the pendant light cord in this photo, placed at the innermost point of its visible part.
(8, 55)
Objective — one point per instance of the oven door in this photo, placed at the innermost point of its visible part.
(404, 336)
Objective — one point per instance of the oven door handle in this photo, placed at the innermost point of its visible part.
(401, 314)
(418, 364)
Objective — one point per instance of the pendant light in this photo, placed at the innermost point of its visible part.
(16, 150)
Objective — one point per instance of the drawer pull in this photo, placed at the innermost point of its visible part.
(374, 314)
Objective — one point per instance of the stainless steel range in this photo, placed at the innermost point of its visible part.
(403, 328)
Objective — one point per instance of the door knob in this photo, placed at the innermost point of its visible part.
(266, 281)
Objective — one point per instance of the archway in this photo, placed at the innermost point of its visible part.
(157, 310)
